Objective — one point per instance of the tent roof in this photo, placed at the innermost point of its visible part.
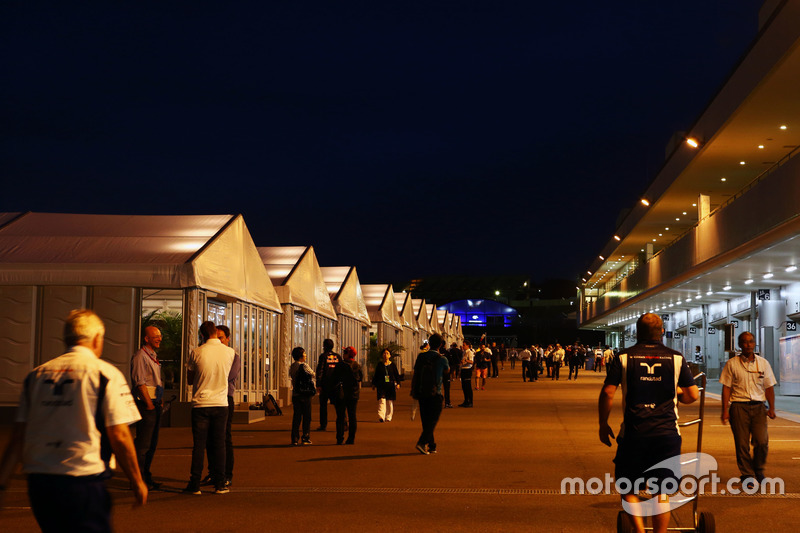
(297, 277)
(381, 304)
(433, 319)
(405, 310)
(444, 321)
(345, 292)
(421, 314)
(213, 252)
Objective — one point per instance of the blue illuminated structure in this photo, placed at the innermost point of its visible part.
(482, 312)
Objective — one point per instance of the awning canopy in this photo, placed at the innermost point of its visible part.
(345, 292)
(214, 252)
(381, 305)
(298, 280)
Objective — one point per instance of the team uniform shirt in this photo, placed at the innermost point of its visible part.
(748, 381)
(327, 362)
(62, 404)
(146, 370)
(649, 375)
(211, 364)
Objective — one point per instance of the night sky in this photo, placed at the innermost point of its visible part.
(407, 139)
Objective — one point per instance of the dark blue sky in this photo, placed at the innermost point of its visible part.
(409, 139)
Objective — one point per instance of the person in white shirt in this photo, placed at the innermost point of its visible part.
(466, 375)
(558, 358)
(208, 367)
(747, 382)
(525, 358)
(66, 407)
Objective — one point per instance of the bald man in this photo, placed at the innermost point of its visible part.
(147, 391)
(653, 378)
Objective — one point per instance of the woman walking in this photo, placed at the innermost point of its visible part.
(386, 381)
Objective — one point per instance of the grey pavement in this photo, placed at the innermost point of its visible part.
(499, 468)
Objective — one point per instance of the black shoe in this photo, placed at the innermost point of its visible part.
(321, 428)
(192, 489)
(349, 442)
(306, 441)
(339, 442)
(206, 481)
(152, 485)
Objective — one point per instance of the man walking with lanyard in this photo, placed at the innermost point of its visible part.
(147, 392)
(747, 382)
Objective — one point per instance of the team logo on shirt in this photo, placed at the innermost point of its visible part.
(651, 370)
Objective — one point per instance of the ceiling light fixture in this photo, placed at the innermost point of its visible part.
(645, 202)
(791, 268)
(726, 288)
(783, 127)
(601, 257)
(723, 179)
(760, 146)
(741, 162)
(691, 141)
(617, 238)
(748, 281)
(768, 275)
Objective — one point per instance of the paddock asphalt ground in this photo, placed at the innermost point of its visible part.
(499, 468)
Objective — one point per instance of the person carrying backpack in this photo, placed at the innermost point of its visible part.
(426, 388)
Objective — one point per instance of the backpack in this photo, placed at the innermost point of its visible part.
(427, 384)
(305, 383)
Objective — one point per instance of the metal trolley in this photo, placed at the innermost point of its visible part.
(703, 522)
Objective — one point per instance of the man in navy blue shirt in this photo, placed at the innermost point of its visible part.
(653, 378)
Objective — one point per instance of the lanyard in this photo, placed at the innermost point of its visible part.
(151, 356)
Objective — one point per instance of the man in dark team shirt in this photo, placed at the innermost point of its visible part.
(327, 361)
(653, 378)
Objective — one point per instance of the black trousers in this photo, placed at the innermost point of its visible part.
(430, 409)
(301, 406)
(348, 407)
(70, 504)
(446, 388)
(323, 409)
(146, 439)
(466, 385)
(208, 430)
(494, 368)
(526, 368)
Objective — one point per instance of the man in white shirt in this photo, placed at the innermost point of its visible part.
(208, 367)
(747, 382)
(466, 375)
(66, 408)
(525, 358)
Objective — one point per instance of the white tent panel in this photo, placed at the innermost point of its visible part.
(345, 292)
(405, 309)
(297, 271)
(230, 264)
(381, 304)
(433, 319)
(421, 314)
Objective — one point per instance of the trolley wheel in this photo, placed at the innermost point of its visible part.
(705, 524)
(625, 523)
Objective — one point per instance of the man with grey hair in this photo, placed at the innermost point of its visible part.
(71, 409)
